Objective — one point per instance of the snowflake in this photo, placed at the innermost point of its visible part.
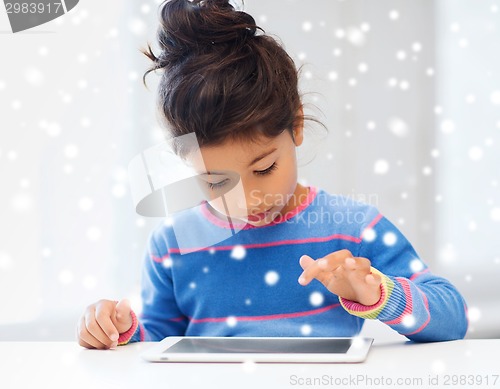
(65, 277)
(404, 85)
(365, 27)
(231, 321)
(438, 366)
(416, 47)
(381, 167)
(495, 214)
(306, 330)
(470, 99)
(448, 253)
(89, 282)
(447, 126)
(119, 190)
(82, 84)
(416, 265)
(316, 299)
(392, 82)
(238, 252)
(34, 76)
(369, 235)
(339, 33)
(5, 260)
(390, 238)
(358, 342)
(71, 151)
(401, 55)
(356, 36)
(271, 277)
(495, 97)
(85, 204)
(137, 26)
(22, 202)
(332, 76)
(408, 321)
(94, 233)
(307, 26)
(426, 170)
(398, 127)
(371, 126)
(455, 27)
(394, 15)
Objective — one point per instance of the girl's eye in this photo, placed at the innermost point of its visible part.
(217, 185)
(266, 171)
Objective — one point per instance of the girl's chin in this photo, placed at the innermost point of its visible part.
(264, 221)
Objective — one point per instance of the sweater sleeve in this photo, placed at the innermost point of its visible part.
(160, 316)
(414, 302)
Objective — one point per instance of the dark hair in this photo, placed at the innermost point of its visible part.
(221, 79)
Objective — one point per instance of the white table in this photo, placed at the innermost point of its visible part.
(67, 365)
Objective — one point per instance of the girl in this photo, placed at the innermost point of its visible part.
(236, 90)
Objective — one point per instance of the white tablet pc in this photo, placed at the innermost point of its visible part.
(258, 349)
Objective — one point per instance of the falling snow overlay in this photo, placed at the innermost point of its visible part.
(413, 118)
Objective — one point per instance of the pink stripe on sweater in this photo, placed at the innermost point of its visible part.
(372, 223)
(159, 259)
(276, 243)
(267, 317)
(419, 274)
(311, 195)
(426, 303)
(409, 303)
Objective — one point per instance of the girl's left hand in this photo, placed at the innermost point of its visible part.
(344, 275)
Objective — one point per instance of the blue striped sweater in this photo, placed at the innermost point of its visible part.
(247, 284)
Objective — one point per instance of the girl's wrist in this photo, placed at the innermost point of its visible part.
(126, 336)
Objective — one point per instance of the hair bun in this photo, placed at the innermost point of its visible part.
(198, 25)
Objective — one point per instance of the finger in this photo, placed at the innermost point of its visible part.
(335, 259)
(350, 263)
(95, 329)
(86, 339)
(122, 318)
(322, 268)
(373, 279)
(103, 315)
(305, 261)
(316, 270)
(85, 344)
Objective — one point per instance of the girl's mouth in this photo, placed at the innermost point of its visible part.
(259, 216)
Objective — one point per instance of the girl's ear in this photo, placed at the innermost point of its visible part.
(298, 131)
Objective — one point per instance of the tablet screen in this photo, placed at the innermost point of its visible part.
(264, 346)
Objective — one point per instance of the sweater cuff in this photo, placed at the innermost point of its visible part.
(371, 311)
(126, 336)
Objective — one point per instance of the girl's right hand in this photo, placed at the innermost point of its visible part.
(103, 322)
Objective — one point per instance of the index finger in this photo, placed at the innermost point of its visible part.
(327, 264)
(103, 314)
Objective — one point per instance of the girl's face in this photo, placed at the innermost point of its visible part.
(267, 170)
